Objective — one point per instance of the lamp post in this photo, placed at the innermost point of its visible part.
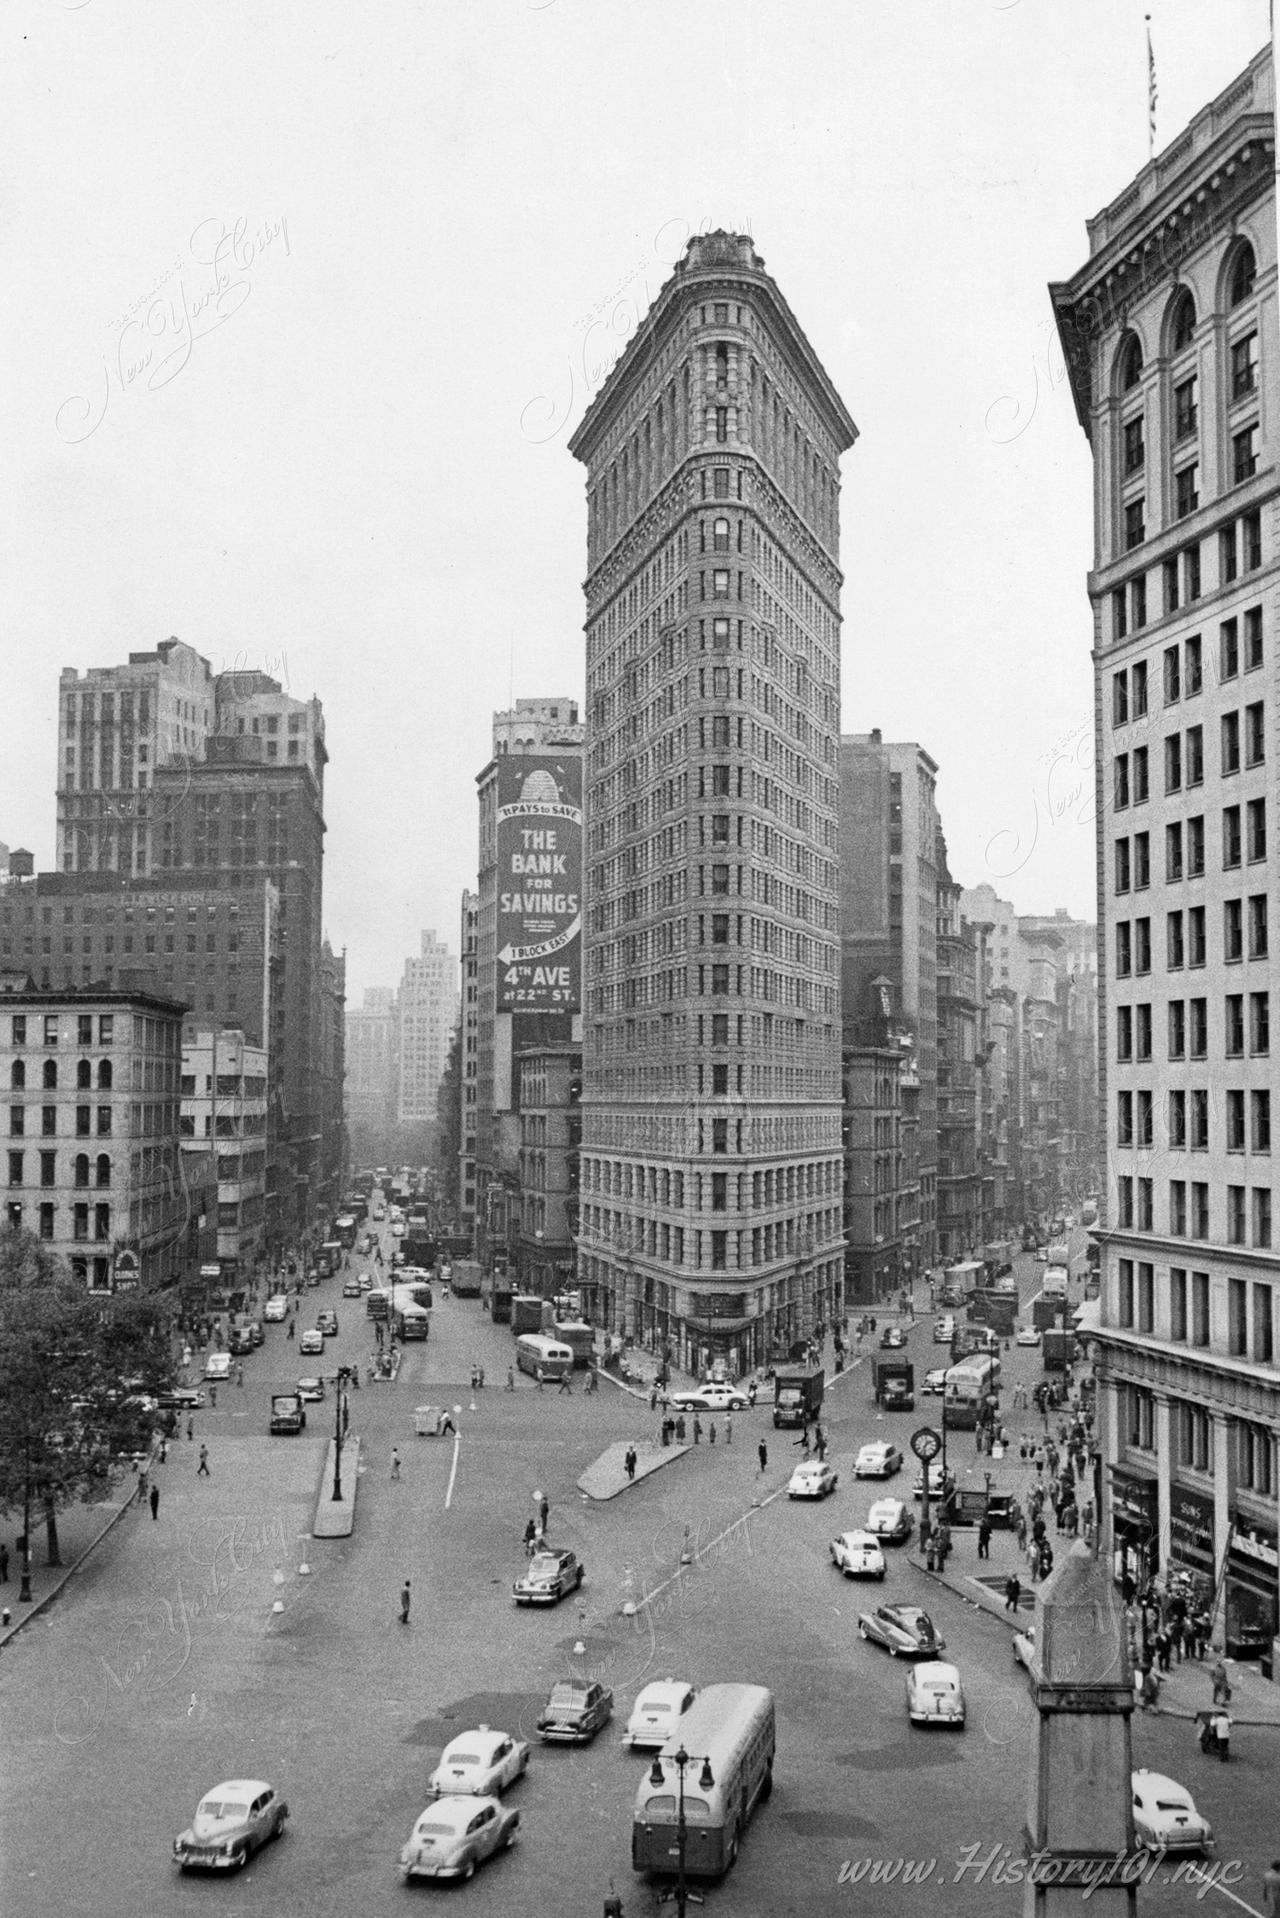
(24, 1590)
(339, 1400)
(657, 1777)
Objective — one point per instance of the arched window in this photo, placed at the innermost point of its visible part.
(18, 1073)
(1243, 273)
(1129, 363)
(82, 1168)
(104, 1169)
(720, 535)
(50, 1075)
(84, 1075)
(1182, 320)
(104, 1075)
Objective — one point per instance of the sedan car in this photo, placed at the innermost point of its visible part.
(311, 1390)
(1027, 1335)
(940, 1482)
(710, 1398)
(891, 1338)
(327, 1321)
(656, 1712)
(934, 1694)
(397, 1228)
(877, 1461)
(482, 1762)
(1024, 1648)
(230, 1823)
(944, 1330)
(813, 1479)
(351, 1288)
(889, 1518)
(276, 1309)
(217, 1366)
(455, 1835)
(365, 1282)
(312, 1340)
(904, 1631)
(180, 1398)
(1165, 1816)
(549, 1576)
(935, 1382)
(574, 1712)
(857, 1555)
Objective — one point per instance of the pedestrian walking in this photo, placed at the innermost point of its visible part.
(538, 1376)
(213, 1397)
(447, 1425)
(653, 1397)
(240, 1375)
(530, 1537)
(762, 1453)
(404, 1603)
(155, 1501)
(191, 1428)
(697, 1429)
(820, 1443)
(631, 1462)
(984, 1539)
(564, 1383)
(544, 1513)
(511, 1378)
(1012, 1592)
(480, 1378)
(1271, 1889)
(711, 1431)
(728, 1428)
(1221, 1683)
(395, 1461)
(752, 1390)
(202, 1470)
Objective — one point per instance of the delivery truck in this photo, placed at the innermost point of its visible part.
(526, 1313)
(797, 1394)
(1057, 1349)
(288, 1413)
(893, 1382)
(467, 1278)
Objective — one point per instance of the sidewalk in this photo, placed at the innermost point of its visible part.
(608, 1475)
(80, 1529)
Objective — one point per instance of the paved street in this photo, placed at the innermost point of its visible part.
(163, 1669)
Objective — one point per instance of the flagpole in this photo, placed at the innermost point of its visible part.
(1151, 94)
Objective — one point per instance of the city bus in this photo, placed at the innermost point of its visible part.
(410, 1321)
(344, 1231)
(536, 1353)
(328, 1258)
(731, 1727)
(967, 1386)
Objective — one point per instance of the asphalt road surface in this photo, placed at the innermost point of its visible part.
(164, 1669)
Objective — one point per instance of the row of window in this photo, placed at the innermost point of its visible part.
(81, 1168)
(49, 1121)
(1188, 1119)
(1181, 575)
(1191, 1435)
(1244, 934)
(1244, 834)
(20, 1023)
(1183, 667)
(1188, 1214)
(49, 1074)
(46, 1220)
(1185, 1316)
(1133, 1027)
(1242, 743)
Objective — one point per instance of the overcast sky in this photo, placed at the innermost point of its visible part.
(411, 238)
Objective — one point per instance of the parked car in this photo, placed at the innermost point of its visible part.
(230, 1823)
(311, 1390)
(934, 1694)
(857, 1555)
(312, 1340)
(812, 1479)
(482, 1762)
(890, 1519)
(548, 1577)
(656, 1712)
(891, 1338)
(1165, 1816)
(877, 1461)
(455, 1835)
(904, 1631)
(574, 1712)
(710, 1398)
(180, 1398)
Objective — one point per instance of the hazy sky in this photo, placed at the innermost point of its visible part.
(301, 304)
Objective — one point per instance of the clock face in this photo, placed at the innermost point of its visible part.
(926, 1443)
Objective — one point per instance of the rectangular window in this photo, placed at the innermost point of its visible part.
(15, 1168)
(83, 1122)
(1172, 675)
(84, 1028)
(1256, 830)
(1177, 1029)
(1124, 951)
(1138, 596)
(1251, 532)
(1146, 1296)
(1138, 672)
(1178, 1303)
(1175, 946)
(1120, 698)
(1199, 1210)
(1230, 743)
(1121, 781)
(1244, 366)
(1177, 1121)
(1173, 763)
(1194, 758)
(1142, 1031)
(1124, 1032)
(1232, 837)
(1260, 1121)
(1171, 594)
(1255, 737)
(1186, 490)
(1237, 1291)
(1191, 572)
(1195, 936)
(1185, 417)
(1143, 1132)
(1134, 450)
(46, 1221)
(1233, 1010)
(1141, 780)
(1253, 639)
(1258, 941)
(1198, 1107)
(1200, 1308)
(1124, 1292)
(1120, 618)
(1263, 1352)
(1260, 1023)
(1122, 865)
(1262, 1216)
(1198, 1012)
(1142, 945)
(1124, 1199)
(1195, 846)
(1229, 649)
(1193, 665)
(1235, 1120)
(1141, 861)
(1244, 454)
(1124, 1118)
(1173, 851)
(1233, 930)
(48, 1168)
(1135, 530)
(1227, 562)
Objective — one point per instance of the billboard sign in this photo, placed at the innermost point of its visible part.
(539, 883)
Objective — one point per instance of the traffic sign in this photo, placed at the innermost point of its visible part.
(926, 1443)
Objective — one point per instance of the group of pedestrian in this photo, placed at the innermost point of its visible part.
(477, 1377)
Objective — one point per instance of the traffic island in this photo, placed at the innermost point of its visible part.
(608, 1475)
(336, 1517)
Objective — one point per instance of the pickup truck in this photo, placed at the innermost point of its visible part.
(288, 1414)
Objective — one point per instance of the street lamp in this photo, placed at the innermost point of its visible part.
(24, 1590)
(339, 1404)
(657, 1778)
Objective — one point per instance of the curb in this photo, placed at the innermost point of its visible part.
(38, 1605)
(336, 1518)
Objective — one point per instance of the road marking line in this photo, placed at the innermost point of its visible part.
(708, 1547)
(453, 1470)
(1211, 1885)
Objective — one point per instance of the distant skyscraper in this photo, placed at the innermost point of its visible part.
(711, 1157)
(373, 1059)
(428, 1014)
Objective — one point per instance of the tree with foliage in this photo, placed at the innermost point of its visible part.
(77, 1372)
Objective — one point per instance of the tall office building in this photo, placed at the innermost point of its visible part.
(428, 1014)
(1170, 337)
(711, 1161)
(373, 1062)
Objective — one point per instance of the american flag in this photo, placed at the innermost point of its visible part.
(1152, 95)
